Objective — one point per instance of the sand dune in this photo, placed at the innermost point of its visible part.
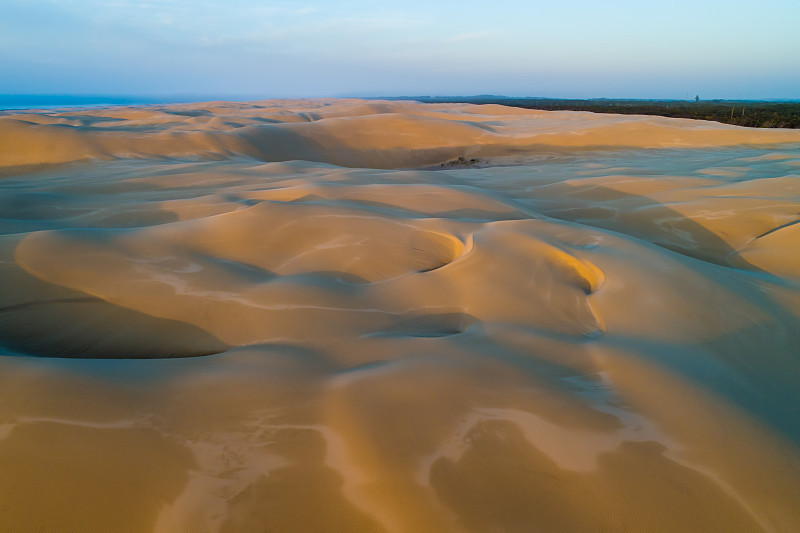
(347, 133)
(344, 315)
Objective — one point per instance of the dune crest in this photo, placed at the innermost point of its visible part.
(346, 315)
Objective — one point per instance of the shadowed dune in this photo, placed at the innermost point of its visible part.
(343, 315)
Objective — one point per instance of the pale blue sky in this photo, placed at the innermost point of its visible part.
(578, 48)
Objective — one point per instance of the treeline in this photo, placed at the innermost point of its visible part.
(754, 114)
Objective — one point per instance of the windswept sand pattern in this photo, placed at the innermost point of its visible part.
(344, 315)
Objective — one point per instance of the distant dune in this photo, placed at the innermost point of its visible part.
(350, 133)
(346, 315)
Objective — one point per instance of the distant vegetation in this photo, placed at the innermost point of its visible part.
(756, 114)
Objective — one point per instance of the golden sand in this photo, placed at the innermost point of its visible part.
(344, 315)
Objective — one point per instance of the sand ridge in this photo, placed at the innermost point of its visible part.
(312, 315)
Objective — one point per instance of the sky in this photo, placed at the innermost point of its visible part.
(246, 49)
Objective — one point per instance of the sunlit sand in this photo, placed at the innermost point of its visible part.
(345, 315)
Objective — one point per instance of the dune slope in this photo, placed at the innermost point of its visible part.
(345, 315)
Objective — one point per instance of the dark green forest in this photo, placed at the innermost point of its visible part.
(752, 113)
